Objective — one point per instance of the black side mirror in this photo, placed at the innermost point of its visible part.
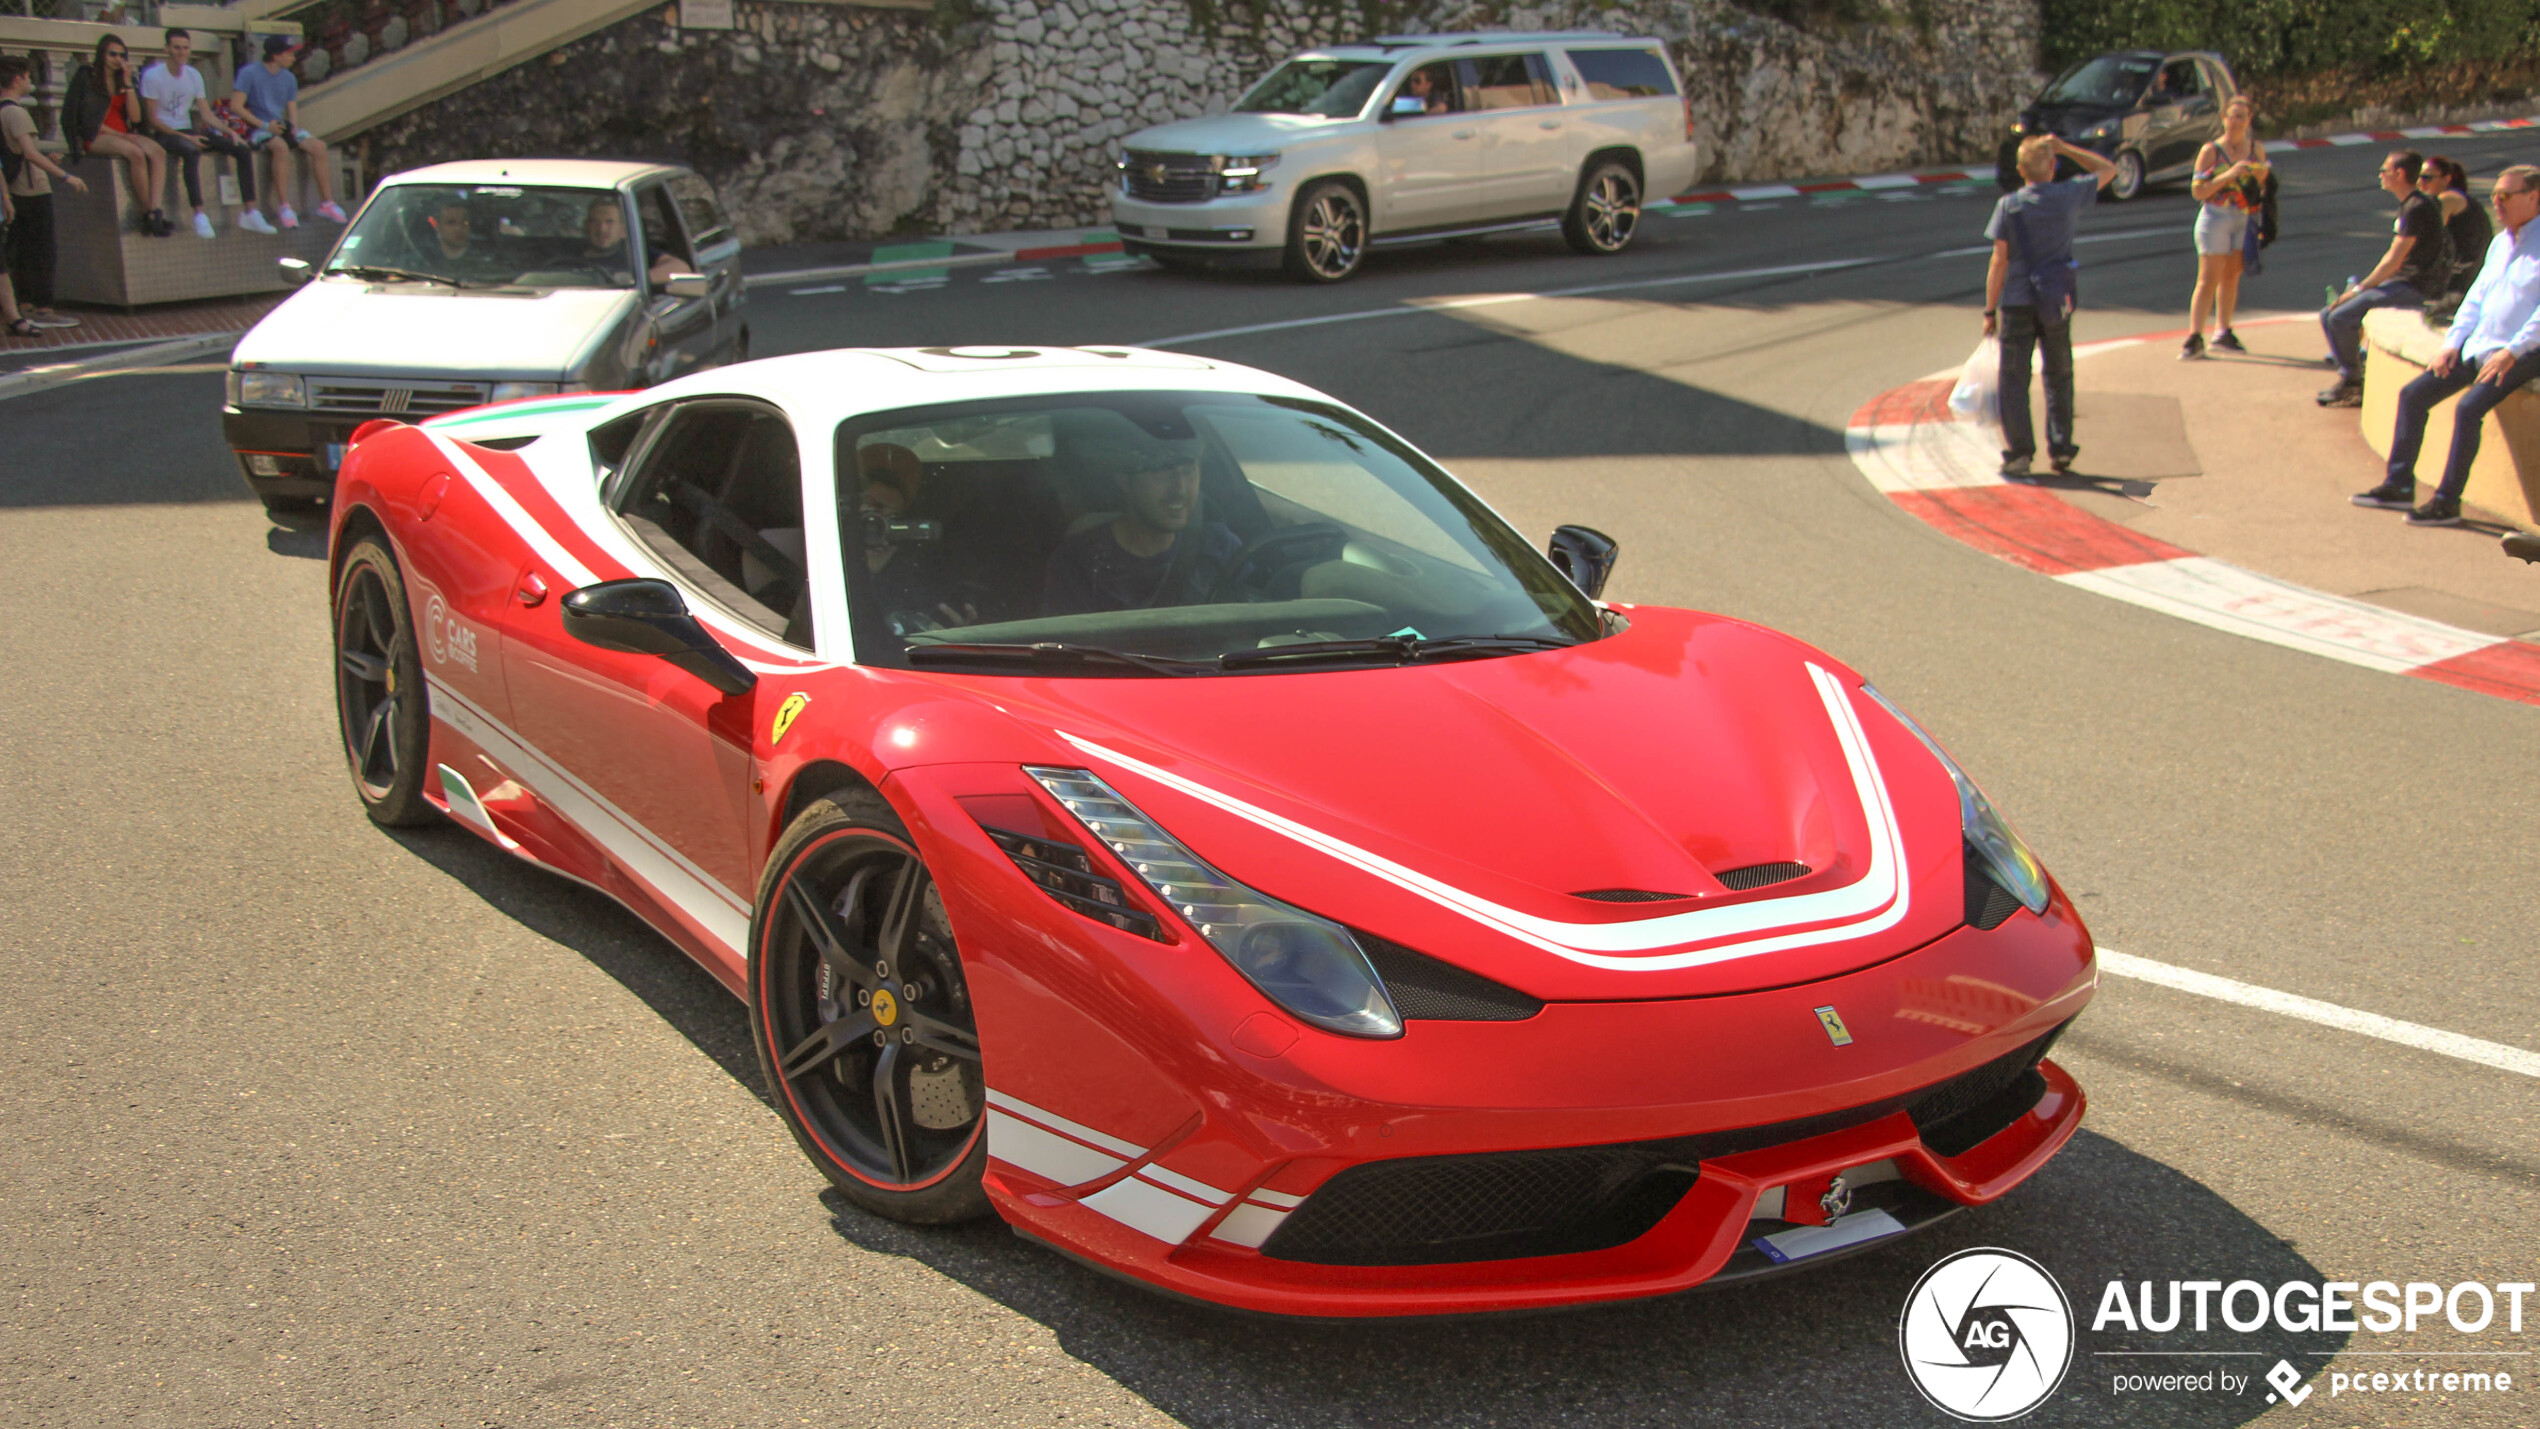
(295, 271)
(647, 617)
(1586, 556)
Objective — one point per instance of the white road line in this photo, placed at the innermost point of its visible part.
(1494, 299)
(2326, 1014)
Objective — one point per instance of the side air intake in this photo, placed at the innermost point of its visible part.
(1426, 989)
(1762, 875)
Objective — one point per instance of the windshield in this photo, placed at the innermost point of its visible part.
(1336, 89)
(483, 235)
(1174, 532)
(2109, 79)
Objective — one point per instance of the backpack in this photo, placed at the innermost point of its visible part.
(12, 163)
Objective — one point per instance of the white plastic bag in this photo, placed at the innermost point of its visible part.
(1978, 395)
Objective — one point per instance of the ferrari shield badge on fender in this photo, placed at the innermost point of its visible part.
(1827, 1018)
(785, 714)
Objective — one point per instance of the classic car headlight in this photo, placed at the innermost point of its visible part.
(1244, 173)
(512, 391)
(1311, 966)
(266, 389)
(2006, 855)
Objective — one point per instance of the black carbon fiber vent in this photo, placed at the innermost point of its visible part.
(1425, 988)
(1762, 875)
(1974, 1106)
(1629, 895)
(1437, 1210)
(1989, 904)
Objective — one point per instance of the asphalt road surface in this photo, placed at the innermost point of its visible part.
(308, 1123)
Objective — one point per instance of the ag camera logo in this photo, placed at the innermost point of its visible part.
(1986, 1335)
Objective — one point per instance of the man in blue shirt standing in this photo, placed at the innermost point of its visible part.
(2493, 347)
(2028, 295)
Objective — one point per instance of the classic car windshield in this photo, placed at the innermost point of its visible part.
(492, 235)
(2115, 80)
(1149, 533)
(1336, 89)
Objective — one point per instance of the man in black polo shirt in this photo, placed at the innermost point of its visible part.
(2417, 266)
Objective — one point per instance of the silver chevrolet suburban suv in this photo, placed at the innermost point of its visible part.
(1409, 138)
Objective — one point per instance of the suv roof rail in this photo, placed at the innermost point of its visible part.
(1501, 37)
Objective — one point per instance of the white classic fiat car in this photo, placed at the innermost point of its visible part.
(1409, 138)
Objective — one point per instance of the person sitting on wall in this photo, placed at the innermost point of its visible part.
(270, 95)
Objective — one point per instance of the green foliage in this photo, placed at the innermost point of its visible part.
(2263, 38)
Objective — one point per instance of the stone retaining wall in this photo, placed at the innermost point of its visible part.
(828, 121)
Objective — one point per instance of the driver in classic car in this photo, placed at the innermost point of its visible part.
(604, 231)
(1139, 558)
(454, 251)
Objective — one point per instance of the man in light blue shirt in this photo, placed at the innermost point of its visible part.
(2493, 348)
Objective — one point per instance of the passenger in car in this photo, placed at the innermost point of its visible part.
(606, 248)
(1428, 85)
(1159, 551)
(910, 573)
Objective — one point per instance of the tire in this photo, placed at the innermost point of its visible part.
(2129, 180)
(381, 707)
(1327, 233)
(850, 944)
(1606, 212)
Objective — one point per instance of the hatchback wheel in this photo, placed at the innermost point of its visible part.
(380, 701)
(1606, 213)
(2129, 179)
(862, 1015)
(1327, 233)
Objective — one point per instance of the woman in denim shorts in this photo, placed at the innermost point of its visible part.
(2230, 187)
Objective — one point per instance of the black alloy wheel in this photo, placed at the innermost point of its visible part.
(1327, 232)
(1606, 213)
(380, 701)
(862, 1015)
(2129, 179)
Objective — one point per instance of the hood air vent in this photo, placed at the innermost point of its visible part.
(1424, 987)
(1762, 875)
(1628, 895)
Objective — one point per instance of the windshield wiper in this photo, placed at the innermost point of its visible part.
(389, 275)
(1054, 652)
(1403, 649)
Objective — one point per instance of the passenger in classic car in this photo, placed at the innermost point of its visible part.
(604, 230)
(454, 251)
(911, 572)
(1139, 558)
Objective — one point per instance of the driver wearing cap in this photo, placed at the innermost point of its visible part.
(1158, 551)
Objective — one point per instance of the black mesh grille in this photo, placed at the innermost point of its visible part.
(1425, 988)
(1989, 904)
(1762, 875)
(1434, 1210)
(1970, 1108)
(1169, 178)
(1628, 895)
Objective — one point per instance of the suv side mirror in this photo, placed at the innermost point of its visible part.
(295, 271)
(1406, 106)
(687, 285)
(647, 617)
(1586, 556)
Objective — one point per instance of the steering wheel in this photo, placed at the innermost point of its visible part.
(1255, 571)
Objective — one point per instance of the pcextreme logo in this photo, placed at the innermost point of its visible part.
(1986, 1335)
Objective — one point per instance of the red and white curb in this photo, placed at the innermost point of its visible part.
(1946, 471)
(2392, 136)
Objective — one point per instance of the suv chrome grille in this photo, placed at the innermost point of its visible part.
(1169, 178)
(390, 397)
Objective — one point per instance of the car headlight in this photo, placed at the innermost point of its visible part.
(513, 391)
(2006, 855)
(1244, 173)
(266, 389)
(1308, 965)
(2102, 129)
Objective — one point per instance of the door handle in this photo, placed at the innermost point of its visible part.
(531, 591)
(1461, 134)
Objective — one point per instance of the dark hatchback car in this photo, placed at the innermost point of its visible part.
(2149, 110)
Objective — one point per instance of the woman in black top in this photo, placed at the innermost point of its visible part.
(2464, 222)
(100, 115)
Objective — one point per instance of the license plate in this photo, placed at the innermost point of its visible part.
(331, 456)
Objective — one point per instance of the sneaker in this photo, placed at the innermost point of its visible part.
(2228, 341)
(2192, 349)
(2063, 464)
(2389, 496)
(289, 219)
(2344, 394)
(2438, 510)
(255, 222)
(50, 319)
(202, 225)
(330, 212)
(2015, 468)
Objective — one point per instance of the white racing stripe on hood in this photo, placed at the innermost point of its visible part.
(1874, 902)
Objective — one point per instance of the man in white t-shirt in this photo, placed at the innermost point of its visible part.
(181, 120)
